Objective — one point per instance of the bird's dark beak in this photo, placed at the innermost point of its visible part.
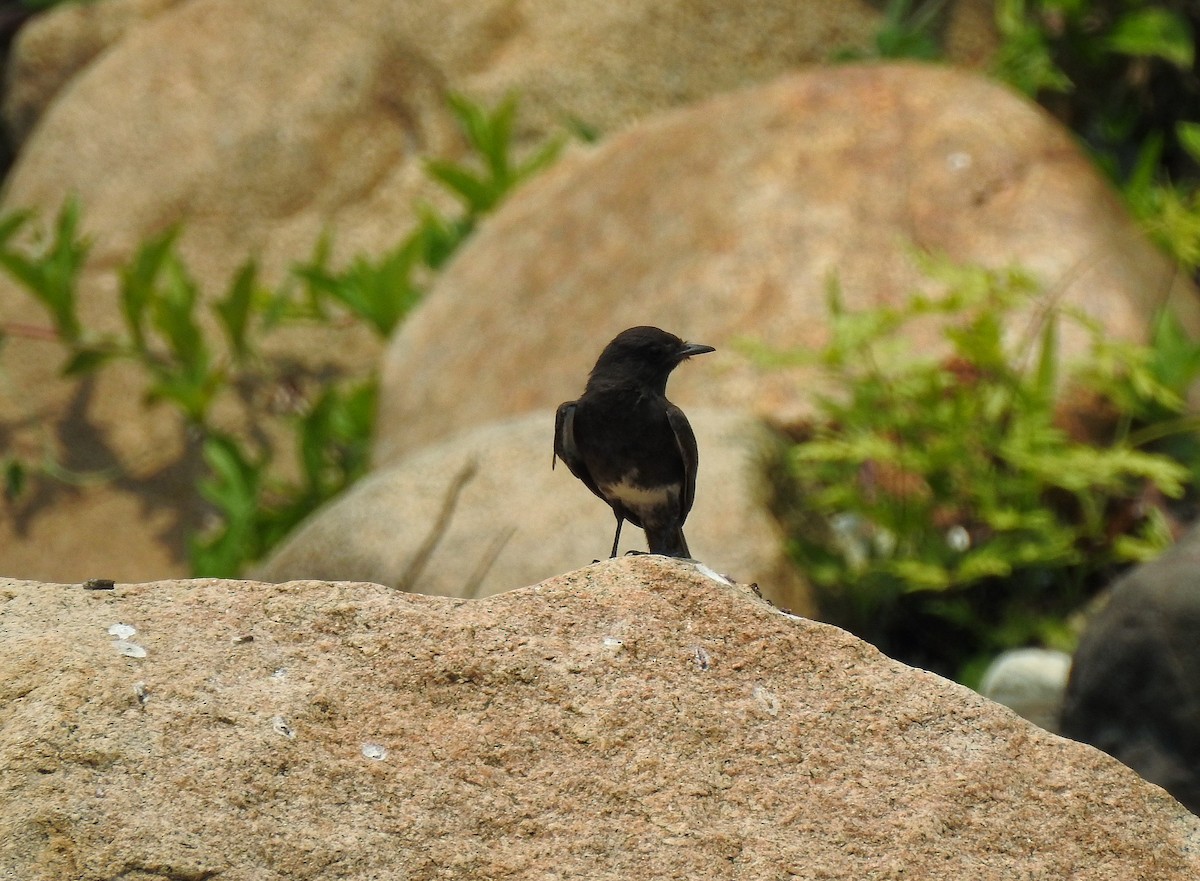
(690, 349)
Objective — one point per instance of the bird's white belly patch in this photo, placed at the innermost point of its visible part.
(639, 498)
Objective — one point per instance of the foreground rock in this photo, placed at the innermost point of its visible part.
(484, 513)
(727, 220)
(1133, 685)
(631, 720)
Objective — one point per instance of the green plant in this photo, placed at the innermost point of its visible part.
(194, 357)
(1118, 72)
(480, 185)
(904, 33)
(1168, 211)
(205, 359)
(937, 506)
(257, 507)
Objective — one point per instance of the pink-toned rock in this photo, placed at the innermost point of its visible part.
(728, 220)
(483, 512)
(631, 720)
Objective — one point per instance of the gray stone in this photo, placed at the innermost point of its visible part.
(1030, 682)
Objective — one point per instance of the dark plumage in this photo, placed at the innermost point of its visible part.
(628, 444)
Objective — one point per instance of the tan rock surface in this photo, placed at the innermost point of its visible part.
(272, 131)
(633, 719)
(728, 219)
(516, 521)
(55, 46)
(259, 124)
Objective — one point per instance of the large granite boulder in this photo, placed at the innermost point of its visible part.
(601, 65)
(51, 49)
(260, 124)
(484, 512)
(728, 219)
(1134, 688)
(636, 719)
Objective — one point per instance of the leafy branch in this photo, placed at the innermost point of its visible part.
(200, 356)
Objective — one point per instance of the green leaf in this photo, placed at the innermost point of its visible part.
(1154, 33)
(88, 359)
(51, 274)
(15, 478)
(541, 159)
(1045, 376)
(380, 292)
(440, 235)
(489, 134)
(234, 310)
(477, 193)
(11, 224)
(139, 282)
(920, 575)
(173, 315)
(1188, 134)
(233, 487)
(235, 478)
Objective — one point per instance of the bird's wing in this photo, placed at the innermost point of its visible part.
(565, 449)
(686, 442)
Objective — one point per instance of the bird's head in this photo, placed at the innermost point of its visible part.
(643, 355)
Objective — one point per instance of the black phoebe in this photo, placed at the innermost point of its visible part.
(631, 446)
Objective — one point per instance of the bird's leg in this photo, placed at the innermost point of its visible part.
(617, 537)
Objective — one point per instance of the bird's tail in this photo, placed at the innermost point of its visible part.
(668, 541)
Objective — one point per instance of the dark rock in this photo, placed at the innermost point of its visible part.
(1134, 689)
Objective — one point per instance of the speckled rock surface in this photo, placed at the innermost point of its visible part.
(53, 47)
(633, 719)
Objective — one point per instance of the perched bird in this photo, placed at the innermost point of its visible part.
(628, 444)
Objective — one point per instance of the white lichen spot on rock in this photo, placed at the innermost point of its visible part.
(129, 649)
(766, 700)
